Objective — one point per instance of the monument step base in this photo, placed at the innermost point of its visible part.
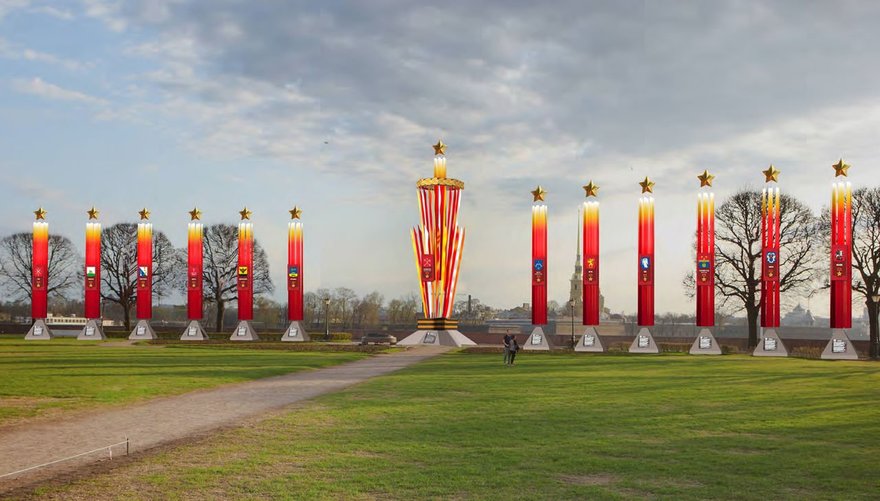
(705, 344)
(770, 345)
(296, 333)
(244, 332)
(644, 342)
(143, 331)
(590, 342)
(839, 347)
(194, 332)
(436, 338)
(93, 331)
(39, 331)
(537, 341)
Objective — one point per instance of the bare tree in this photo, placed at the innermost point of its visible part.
(365, 311)
(16, 265)
(119, 266)
(220, 277)
(866, 254)
(738, 254)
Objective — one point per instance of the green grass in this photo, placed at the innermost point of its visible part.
(41, 377)
(462, 426)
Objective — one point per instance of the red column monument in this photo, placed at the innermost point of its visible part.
(39, 278)
(644, 341)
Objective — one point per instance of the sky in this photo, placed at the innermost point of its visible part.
(333, 107)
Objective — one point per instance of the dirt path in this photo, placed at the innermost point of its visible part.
(165, 420)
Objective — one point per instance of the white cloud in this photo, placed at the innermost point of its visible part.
(57, 13)
(110, 13)
(7, 6)
(38, 87)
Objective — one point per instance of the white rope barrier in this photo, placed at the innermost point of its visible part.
(108, 448)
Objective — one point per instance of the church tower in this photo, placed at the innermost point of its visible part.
(576, 293)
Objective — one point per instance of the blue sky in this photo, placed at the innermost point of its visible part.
(333, 106)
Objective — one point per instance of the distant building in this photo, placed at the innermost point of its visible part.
(798, 317)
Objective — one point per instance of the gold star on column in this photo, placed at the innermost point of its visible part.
(144, 213)
(245, 214)
(538, 193)
(195, 214)
(705, 179)
(439, 148)
(93, 213)
(40, 214)
(647, 185)
(840, 168)
(295, 212)
(591, 189)
(771, 174)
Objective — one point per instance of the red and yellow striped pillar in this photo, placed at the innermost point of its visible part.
(539, 258)
(93, 266)
(245, 266)
(295, 266)
(40, 266)
(646, 255)
(145, 266)
(194, 265)
(591, 256)
(841, 250)
(705, 275)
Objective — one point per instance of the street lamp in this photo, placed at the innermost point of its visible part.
(327, 318)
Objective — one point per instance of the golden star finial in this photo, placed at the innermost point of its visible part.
(705, 178)
(295, 212)
(538, 193)
(647, 185)
(771, 174)
(591, 189)
(144, 214)
(840, 168)
(245, 214)
(195, 214)
(93, 213)
(439, 148)
(40, 214)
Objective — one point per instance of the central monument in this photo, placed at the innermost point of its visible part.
(437, 244)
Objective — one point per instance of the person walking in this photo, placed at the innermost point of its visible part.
(507, 339)
(514, 347)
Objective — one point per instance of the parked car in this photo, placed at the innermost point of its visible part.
(378, 338)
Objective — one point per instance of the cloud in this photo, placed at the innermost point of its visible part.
(57, 13)
(38, 87)
(7, 6)
(9, 50)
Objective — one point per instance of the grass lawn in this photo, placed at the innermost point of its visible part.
(39, 378)
(462, 426)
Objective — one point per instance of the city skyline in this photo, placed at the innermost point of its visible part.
(170, 105)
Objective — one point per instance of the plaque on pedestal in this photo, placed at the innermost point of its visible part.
(437, 332)
(705, 344)
(143, 330)
(244, 332)
(296, 332)
(92, 331)
(839, 347)
(644, 342)
(769, 345)
(537, 341)
(39, 331)
(194, 332)
(590, 341)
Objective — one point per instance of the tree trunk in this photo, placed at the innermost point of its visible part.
(126, 316)
(752, 316)
(221, 307)
(875, 331)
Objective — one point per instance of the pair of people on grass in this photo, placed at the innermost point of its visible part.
(510, 349)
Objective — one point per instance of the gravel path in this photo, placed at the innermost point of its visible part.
(164, 420)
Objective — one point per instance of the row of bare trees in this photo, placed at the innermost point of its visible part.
(804, 262)
(119, 267)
